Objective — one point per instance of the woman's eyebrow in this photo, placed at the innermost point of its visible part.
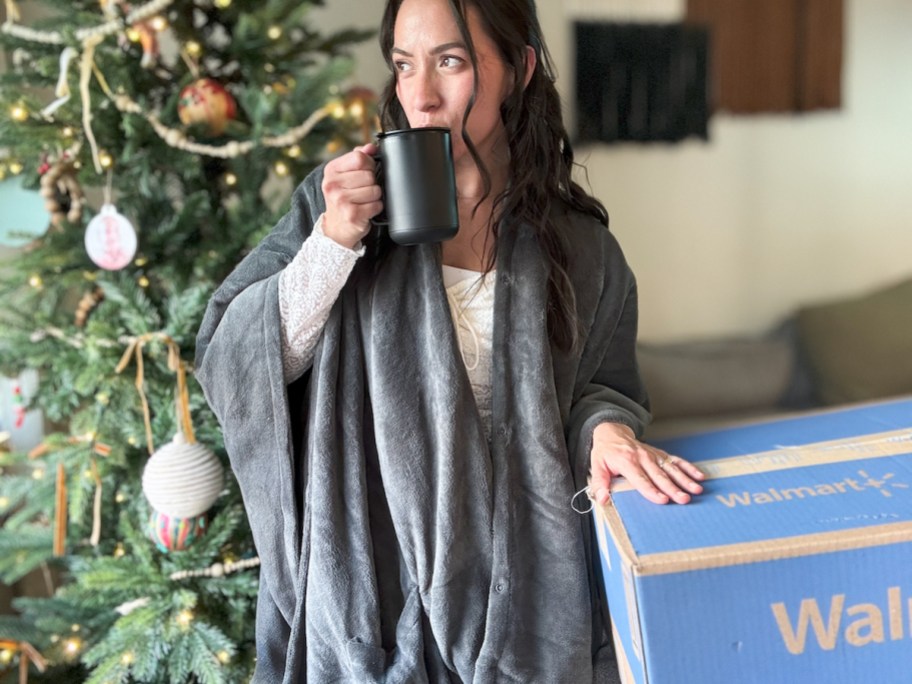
(455, 45)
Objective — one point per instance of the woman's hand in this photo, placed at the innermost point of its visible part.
(352, 196)
(656, 475)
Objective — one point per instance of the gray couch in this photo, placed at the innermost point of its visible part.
(824, 354)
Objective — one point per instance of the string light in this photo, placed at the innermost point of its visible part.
(158, 23)
(294, 151)
(134, 35)
(193, 48)
(106, 160)
(356, 110)
(224, 657)
(119, 550)
(230, 179)
(72, 646)
(141, 261)
(127, 658)
(274, 32)
(4, 502)
(6, 656)
(18, 113)
(36, 282)
(15, 168)
(281, 169)
(142, 281)
(38, 474)
(184, 618)
(120, 497)
(222, 4)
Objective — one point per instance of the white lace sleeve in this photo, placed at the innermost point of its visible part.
(308, 288)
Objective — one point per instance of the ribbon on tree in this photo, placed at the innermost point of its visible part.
(28, 654)
(176, 364)
(12, 11)
(60, 496)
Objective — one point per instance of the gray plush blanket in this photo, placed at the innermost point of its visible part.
(397, 545)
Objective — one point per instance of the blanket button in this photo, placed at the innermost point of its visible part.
(499, 587)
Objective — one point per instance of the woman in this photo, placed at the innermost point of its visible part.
(408, 444)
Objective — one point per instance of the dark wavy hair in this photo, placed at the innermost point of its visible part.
(541, 158)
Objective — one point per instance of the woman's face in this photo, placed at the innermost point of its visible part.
(434, 78)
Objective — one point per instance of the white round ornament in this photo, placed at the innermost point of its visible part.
(110, 239)
(182, 480)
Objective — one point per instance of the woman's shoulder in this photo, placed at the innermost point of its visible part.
(586, 235)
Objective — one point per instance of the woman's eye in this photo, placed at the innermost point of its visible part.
(450, 61)
(402, 66)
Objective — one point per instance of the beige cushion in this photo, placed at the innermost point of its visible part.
(714, 378)
(861, 348)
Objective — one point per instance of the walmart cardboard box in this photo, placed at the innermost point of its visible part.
(795, 564)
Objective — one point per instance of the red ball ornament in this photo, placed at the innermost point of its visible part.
(206, 102)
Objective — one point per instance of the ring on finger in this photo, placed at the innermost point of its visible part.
(662, 462)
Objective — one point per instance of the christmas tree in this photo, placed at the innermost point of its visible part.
(163, 141)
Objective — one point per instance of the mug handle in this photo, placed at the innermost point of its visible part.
(381, 219)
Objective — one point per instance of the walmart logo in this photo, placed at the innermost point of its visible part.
(884, 484)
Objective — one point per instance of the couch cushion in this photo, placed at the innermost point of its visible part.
(861, 348)
(716, 377)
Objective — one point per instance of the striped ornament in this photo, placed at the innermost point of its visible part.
(183, 480)
(175, 534)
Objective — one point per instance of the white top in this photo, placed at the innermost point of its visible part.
(311, 283)
(308, 288)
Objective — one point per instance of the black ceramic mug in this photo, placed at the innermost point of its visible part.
(415, 170)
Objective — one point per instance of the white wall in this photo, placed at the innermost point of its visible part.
(728, 237)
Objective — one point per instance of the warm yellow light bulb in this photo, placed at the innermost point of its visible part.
(38, 474)
(18, 113)
(72, 646)
(4, 502)
(119, 550)
(224, 657)
(141, 261)
(143, 281)
(15, 168)
(193, 48)
(274, 32)
(36, 282)
(338, 110)
(222, 4)
(230, 179)
(120, 497)
(356, 109)
(158, 23)
(6, 656)
(127, 658)
(67, 132)
(106, 160)
(184, 618)
(281, 169)
(133, 35)
(294, 151)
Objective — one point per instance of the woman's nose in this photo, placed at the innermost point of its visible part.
(426, 94)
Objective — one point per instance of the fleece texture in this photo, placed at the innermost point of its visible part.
(397, 543)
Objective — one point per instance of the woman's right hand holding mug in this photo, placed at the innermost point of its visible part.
(352, 195)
